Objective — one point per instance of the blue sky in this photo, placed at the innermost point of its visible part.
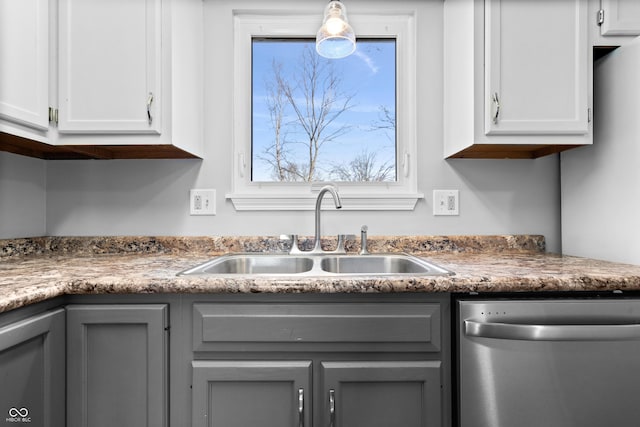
(369, 73)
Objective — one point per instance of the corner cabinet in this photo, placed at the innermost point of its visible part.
(117, 358)
(338, 364)
(517, 78)
(32, 366)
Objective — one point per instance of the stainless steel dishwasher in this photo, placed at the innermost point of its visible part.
(548, 363)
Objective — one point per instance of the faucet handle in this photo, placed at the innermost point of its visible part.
(340, 246)
(363, 240)
(295, 249)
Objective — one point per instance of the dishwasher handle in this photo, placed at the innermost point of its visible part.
(537, 332)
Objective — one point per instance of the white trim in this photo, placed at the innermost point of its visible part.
(351, 202)
(399, 195)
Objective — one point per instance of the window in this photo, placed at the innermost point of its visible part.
(366, 146)
(316, 119)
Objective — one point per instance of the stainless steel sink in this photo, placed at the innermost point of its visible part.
(253, 264)
(317, 265)
(380, 264)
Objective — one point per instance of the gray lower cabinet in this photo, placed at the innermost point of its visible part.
(381, 394)
(235, 361)
(279, 393)
(32, 366)
(322, 364)
(117, 365)
(251, 393)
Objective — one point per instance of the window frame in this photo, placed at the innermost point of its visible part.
(285, 196)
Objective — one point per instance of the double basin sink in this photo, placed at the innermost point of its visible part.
(317, 265)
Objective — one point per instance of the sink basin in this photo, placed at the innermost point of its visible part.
(317, 265)
(253, 264)
(380, 264)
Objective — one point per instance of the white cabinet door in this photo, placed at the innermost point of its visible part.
(109, 66)
(620, 18)
(531, 57)
(24, 62)
(536, 56)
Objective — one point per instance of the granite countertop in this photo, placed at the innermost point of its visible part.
(36, 269)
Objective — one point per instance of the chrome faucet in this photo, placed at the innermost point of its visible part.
(336, 199)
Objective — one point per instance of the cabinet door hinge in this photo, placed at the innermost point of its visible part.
(601, 17)
(588, 115)
(53, 115)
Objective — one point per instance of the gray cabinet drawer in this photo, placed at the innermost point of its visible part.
(343, 326)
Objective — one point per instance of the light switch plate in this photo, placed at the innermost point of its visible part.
(202, 202)
(446, 202)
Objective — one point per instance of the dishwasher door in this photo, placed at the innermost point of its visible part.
(548, 363)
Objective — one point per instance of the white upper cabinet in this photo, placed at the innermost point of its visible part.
(536, 67)
(130, 78)
(620, 18)
(24, 63)
(517, 77)
(109, 66)
(124, 79)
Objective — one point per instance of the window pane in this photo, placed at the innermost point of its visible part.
(315, 119)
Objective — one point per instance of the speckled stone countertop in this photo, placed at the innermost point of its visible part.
(36, 269)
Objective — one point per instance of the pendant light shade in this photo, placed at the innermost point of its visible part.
(335, 38)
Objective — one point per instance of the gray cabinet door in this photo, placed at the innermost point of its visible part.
(251, 393)
(381, 394)
(117, 365)
(32, 364)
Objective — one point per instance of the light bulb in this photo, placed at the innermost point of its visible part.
(334, 25)
(335, 38)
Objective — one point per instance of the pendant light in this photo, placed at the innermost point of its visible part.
(335, 38)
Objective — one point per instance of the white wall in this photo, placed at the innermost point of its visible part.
(600, 183)
(147, 197)
(22, 196)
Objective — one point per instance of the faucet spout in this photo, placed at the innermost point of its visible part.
(336, 200)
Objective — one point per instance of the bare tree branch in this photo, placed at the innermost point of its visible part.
(364, 168)
(317, 101)
(276, 152)
(386, 122)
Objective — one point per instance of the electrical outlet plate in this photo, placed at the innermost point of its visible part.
(202, 202)
(446, 202)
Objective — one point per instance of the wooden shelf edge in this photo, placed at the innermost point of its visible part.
(509, 151)
(26, 147)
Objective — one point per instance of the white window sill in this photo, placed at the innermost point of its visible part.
(350, 202)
